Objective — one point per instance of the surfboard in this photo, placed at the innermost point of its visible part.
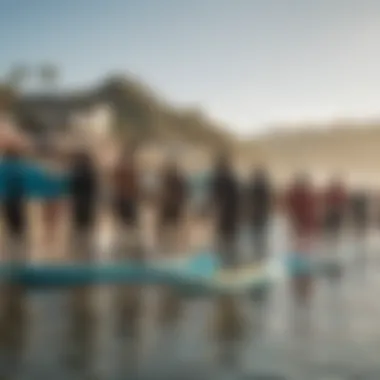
(45, 275)
(243, 280)
(199, 274)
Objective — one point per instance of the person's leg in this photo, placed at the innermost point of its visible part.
(49, 215)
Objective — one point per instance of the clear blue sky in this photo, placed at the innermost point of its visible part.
(249, 63)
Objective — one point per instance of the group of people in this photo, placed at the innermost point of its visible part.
(229, 202)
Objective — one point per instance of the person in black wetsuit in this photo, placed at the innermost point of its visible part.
(83, 190)
(225, 198)
(258, 208)
(226, 207)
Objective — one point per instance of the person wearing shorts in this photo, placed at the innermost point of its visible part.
(225, 199)
(83, 195)
(258, 209)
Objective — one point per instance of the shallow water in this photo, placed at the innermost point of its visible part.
(337, 337)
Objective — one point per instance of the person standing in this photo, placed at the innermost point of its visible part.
(302, 212)
(225, 201)
(258, 209)
(359, 216)
(334, 212)
(126, 196)
(172, 206)
(83, 189)
(226, 206)
(83, 193)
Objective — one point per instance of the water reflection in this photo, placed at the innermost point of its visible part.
(13, 329)
(169, 307)
(129, 302)
(155, 333)
(82, 329)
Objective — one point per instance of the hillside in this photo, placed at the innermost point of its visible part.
(140, 114)
(352, 149)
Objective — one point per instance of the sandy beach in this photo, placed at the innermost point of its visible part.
(196, 233)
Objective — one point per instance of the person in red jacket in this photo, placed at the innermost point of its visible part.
(302, 204)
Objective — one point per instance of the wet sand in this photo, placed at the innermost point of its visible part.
(341, 337)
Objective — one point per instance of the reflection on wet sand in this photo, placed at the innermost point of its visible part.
(128, 309)
(13, 328)
(82, 329)
(169, 309)
(266, 332)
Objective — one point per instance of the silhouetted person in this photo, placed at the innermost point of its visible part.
(359, 215)
(334, 212)
(225, 198)
(126, 194)
(258, 206)
(172, 206)
(359, 205)
(83, 189)
(126, 197)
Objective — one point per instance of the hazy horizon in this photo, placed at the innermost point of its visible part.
(247, 63)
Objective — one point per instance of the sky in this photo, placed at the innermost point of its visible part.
(250, 64)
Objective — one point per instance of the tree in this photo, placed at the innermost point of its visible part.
(12, 85)
(48, 74)
(17, 76)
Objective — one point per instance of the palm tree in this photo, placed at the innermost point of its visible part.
(48, 74)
